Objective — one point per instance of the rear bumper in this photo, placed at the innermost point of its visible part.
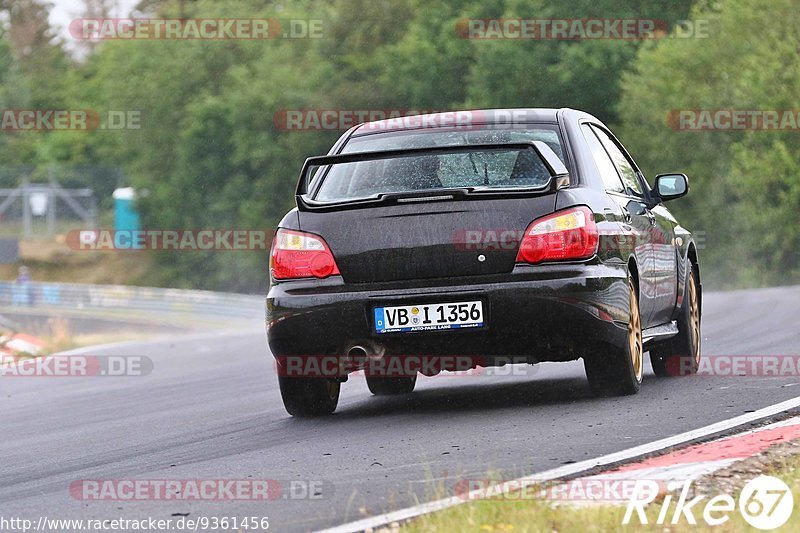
(544, 313)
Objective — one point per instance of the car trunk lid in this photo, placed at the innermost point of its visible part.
(430, 240)
(391, 216)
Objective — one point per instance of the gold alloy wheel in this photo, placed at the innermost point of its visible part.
(333, 388)
(635, 335)
(694, 318)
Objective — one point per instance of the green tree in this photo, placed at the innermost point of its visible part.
(745, 184)
(582, 74)
(33, 69)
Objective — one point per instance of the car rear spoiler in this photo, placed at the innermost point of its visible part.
(559, 176)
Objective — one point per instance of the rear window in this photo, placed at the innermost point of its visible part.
(480, 168)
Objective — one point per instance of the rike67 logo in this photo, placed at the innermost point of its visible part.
(765, 503)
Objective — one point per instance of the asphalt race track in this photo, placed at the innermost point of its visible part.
(210, 409)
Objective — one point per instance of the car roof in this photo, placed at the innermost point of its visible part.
(463, 118)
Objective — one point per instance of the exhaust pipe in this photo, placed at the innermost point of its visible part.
(368, 350)
(357, 351)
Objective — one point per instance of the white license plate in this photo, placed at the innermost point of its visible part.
(429, 317)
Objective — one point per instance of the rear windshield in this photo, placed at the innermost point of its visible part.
(479, 168)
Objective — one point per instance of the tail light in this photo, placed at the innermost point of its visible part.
(565, 235)
(296, 254)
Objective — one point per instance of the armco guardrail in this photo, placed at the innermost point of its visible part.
(121, 299)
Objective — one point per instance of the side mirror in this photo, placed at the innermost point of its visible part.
(671, 186)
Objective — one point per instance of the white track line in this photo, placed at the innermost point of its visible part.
(568, 470)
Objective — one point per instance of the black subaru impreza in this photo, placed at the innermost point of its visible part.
(452, 241)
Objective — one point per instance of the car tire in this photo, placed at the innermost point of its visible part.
(381, 386)
(616, 371)
(308, 397)
(680, 356)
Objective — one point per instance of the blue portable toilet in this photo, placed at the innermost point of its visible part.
(126, 218)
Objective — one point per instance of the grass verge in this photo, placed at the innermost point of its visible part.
(541, 516)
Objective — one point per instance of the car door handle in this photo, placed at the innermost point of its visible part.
(652, 217)
(626, 215)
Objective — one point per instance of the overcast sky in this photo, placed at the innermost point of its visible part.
(65, 10)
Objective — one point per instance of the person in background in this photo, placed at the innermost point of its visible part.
(23, 275)
(25, 293)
